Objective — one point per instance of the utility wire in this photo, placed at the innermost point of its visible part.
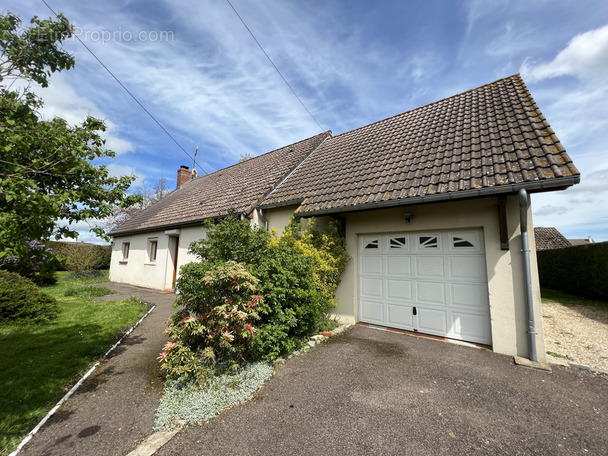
(130, 94)
(275, 67)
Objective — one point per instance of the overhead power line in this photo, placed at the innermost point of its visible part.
(131, 94)
(272, 63)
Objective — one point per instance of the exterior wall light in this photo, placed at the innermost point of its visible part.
(408, 217)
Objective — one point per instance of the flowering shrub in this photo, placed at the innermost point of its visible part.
(34, 261)
(215, 325)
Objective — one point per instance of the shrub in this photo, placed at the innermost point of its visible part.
(213, 329)
(22, 301)
(34, 261)
(327, 250)
(297, 273)
(293, 306)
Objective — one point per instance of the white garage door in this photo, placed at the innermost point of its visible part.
(434, 283)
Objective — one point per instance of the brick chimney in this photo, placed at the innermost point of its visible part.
(183, 175)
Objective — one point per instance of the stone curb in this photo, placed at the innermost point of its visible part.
(153, 443)
(318, 338)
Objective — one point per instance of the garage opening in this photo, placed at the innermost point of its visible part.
(430, 282)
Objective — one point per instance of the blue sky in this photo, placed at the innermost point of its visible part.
(197, 69)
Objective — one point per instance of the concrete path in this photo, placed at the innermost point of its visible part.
(114, 409)
(372, 392)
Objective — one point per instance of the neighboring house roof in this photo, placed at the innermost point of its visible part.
(240, 187)
(589, 240)
(489, 140)
(549, 238)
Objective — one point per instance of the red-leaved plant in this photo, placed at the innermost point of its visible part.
(214, 326)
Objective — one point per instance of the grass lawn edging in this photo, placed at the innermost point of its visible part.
(33, 432)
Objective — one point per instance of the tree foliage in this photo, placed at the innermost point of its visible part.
(47, 169)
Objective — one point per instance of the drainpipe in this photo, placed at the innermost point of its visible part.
(523, 217)
(265, 219)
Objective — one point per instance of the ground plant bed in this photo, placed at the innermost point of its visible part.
(41, 361)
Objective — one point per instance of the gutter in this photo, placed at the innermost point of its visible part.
(562, 184)
(523, 217)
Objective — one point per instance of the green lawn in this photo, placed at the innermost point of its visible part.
(40, 362)
(569, 300)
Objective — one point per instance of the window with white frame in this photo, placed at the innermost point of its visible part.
(125, 250)
(152, 250)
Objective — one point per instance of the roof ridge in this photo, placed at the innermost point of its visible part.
(259, 156)
(516, 75)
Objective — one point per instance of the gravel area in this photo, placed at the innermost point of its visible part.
(576, 334)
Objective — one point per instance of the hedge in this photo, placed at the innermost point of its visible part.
(82, 256)
(581, 270)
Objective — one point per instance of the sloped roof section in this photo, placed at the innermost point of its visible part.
(240, 187)
(549, 238)
(489, 140)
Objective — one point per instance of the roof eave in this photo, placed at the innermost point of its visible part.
(561, 183)
(187, 224)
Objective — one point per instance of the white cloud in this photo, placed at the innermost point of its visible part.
(585, 56)
(551, 210)
(84, 232)
(116, 170)
(61, 100)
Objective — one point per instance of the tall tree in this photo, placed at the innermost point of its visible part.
(47, 170)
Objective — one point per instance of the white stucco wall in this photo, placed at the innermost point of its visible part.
(504, 267)
(139, 270)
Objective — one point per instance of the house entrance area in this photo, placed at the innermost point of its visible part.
(431, 282)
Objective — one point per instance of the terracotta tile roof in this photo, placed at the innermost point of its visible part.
(488, 140)
(549, 238)
(239, 187)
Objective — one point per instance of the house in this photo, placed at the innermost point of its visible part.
(588, 240)
(149, 249)
(549, 238)
(434, 204)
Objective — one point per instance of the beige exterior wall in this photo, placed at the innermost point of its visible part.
(504, 268)
(139, 270)
(278, 218)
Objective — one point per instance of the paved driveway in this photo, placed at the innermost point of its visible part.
(114, 409)
(375, 392)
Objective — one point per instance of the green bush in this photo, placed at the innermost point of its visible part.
(296, 274)
(581, 270)
(213, 329)
(22, 301)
